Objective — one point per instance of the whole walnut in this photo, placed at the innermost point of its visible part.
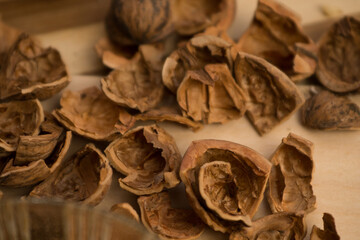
(135, 22)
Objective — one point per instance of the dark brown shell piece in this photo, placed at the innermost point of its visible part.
(126, 210)
(91, 114)
(329, 232)
(338, 56)
(289, 187)
(30, 71)
(192, 17)
(277, 36)
(85, 177)
(240, 187)
(136, 22)
(330, 112)
(271, 97)
(169, 223)
(284, 226)
(149, 158)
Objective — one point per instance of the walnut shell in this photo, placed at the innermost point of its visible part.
(159, 217)
(149, 158)
(125, 209)
(277, 36)
(18, 118)
(191, 17)
(289, 184)
(136, 22)
(8, 36)
(85, 177)
(338, 56)
(271, 97)
(284, 226)
(330, 112)
(329, 232)
(91, 114)
(30, 71)
(234, 193)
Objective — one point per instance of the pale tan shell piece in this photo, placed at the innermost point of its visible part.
(329, 231)
(289, 187)
(284, 226)
(149, 158)
(91, 114)
(37, 170)
(254, 167)
(192, 17)
(85, 177)
(159, 217)
(277, 36)
(126, 210)
(271, 97)
(30, 71)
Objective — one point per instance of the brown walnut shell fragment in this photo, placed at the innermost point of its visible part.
(211, 96)
(30, 71)
(169, 223)
(149, 158)
(85, 177)
(224, 182)
(338, 56)
(329, 232)
(281, 226)
(126, 210)
(290, 187)
(18, 118)
(277, 36)
(198, 52)
(91, 114)
(191, 17)
(330, 112)
(271, 96)
(37, 156)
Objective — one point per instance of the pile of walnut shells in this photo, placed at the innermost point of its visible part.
(175, 62)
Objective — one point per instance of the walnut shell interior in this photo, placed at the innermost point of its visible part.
(149, 158)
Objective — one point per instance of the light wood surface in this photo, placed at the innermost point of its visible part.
(74, 27)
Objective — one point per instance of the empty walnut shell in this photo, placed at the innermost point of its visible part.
(136, 22)
(125, 209)
(271, 97)
(159, 217)
(277, 36)
(85, 177)
(290, 187)
(338, 56)
(224, 182)
(149, 158)
(284, 226)
(191, 17)
(91, 114)
(330, 112)
(30, 71)
(329, 232)
(194, 56)
(18, 118)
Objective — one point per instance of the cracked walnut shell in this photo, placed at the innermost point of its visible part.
(149, 158)
(224, 182)
(85, 177)
(159, 217)
(329, 232)
(289, 184)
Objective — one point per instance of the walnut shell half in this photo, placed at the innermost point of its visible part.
(224, 182)
(271, 97)
(149, 158)
(338, 56)
(284, 226)
(329, 232)
(91, 114)
(159, 217)
(85, 176)
(290, 187)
